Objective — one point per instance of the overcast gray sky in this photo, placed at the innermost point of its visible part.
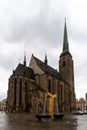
(37, 26)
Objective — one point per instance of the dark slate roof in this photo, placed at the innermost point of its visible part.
(47, 69)
(22, 70)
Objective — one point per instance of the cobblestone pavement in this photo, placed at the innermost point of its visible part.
(26, 121)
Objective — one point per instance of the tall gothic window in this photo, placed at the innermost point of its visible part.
(49, 85)
(27, 109)
(20, 92)
(61, 92)
(15, 85)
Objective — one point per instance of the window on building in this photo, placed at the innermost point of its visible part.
(49, 85)
(15, 85)
(20, 93)
(61, 92)
(27, 103)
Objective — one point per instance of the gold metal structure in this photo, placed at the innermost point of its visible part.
(51, 103)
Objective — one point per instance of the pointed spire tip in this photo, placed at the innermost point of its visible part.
(24, 58)
(46, 61)
(65, 39)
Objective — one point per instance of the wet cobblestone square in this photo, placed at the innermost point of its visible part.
(26, 121)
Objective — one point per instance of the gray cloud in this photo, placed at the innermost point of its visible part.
(42, 23)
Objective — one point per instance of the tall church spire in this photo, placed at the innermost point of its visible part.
(66, 68)
(65, 40)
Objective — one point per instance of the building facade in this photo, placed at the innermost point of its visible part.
(28, 85)
(81, 104)
(86, 100)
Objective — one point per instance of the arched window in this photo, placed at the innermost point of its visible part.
(20, 92)
(61, 92)
(15, 85)
(27, 103)
(49, 85)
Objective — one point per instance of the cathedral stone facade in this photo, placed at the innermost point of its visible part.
(28, 84)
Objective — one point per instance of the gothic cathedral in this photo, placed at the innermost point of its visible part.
(28, 84)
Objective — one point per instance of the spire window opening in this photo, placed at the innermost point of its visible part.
(63, 65)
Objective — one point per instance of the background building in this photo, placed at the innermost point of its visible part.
(3, 105)
(28, 85)
(86, 100)
(81, 104)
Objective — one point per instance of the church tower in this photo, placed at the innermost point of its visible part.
(66, 68)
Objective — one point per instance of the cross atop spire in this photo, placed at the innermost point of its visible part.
(65, 39)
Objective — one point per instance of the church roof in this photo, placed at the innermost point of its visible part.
(22, 70)
(47, 69)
